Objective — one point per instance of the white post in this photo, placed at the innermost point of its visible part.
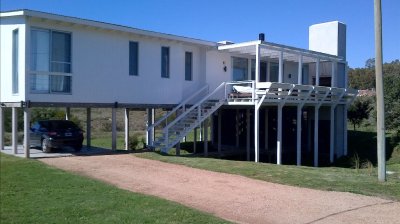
(332, 135)
(194, 140)
(1, 128)
(205, 127)
(256, 133)
(27, 121)
(333, 77)
(201, 131)
(316, 122)
(317, 72)
(279, 137)
(178, 149)
(280, 67)
(126, 128)
(14, 133)
(298, 144)
(150, 121)
(237, 128)
(67, 113)
(248, 134)
(266, 129)
(219, 131)
(300, 70)
(257, 72)
(114, 128)
(88, 127)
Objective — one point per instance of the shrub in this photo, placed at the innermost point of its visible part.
(136, 141)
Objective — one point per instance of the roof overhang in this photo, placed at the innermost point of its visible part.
(273, 51)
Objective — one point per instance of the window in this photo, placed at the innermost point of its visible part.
(15, 62)
(51, 61)
(240, 68)
(165, 62)
(133, 58)
(188, 66)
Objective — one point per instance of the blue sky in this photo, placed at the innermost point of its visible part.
(283, 21)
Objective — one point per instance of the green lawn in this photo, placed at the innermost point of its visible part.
(32, 192)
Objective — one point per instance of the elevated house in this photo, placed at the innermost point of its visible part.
(265, 98)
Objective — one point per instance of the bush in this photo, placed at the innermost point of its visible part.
(137, 141)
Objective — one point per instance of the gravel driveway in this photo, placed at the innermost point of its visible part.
(231, 197)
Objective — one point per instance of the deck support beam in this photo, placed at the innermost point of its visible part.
(205, 123)
(237, 128)
(219, 132)
(332, 135)
(14, 131)
(345, 152)
(27, 121)
(126, 129)
(149, 122)
(279, 136)
(1, 128)
(316, 124)
(298, 137)
(247, 134)
(195, 140)
(88, 127)
(114, 128)
(266, 130)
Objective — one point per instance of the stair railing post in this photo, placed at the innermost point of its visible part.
(166, 138)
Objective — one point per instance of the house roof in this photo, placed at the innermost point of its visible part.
(103, 25)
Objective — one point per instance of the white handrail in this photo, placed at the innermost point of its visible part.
(195, 106)
(182, 104)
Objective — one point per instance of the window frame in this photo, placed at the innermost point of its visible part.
(167, 63)
(190, 76)
(134, 71)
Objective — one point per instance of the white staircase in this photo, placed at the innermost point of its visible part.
(188, 118)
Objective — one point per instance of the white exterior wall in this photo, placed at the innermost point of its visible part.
(329, 38)
(8, 25)
(291, 68)
(215, 68)
(100, 68)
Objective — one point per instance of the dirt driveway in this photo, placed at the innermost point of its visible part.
(231, 197)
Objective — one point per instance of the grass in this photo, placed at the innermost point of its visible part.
(344, 178)
(32, 192)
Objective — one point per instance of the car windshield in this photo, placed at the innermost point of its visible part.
(58, 125)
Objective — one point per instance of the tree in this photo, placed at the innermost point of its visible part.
(370, 63)
(359, 110)
(392, 101)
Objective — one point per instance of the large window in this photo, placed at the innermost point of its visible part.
(188, 66)
(133, 58)
(165, 62)
(51, 61)
(15, 62)
(240, 69)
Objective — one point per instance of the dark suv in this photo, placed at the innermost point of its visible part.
(50, 134)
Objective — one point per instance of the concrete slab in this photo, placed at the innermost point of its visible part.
(64, 152)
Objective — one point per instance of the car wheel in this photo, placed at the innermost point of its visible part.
(45, 146)
(78, 148)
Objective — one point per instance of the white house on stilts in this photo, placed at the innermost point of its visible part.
(278, 103)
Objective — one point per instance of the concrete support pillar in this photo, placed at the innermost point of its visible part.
(300, 70)
(150, 121)
(298, 138)
(280, 67)
(332, 135)
(67, 113)
(237, 128)
(256, 133)
(178, 149)
(257, 72)
(14, 131)
(345, 152)
(219, 131)
(317, 72)
(126, 128)
(201, 131)
(248, 134)
(114, 128)
(195, 140)
(279, 136)
(212, 129)
(88, 127)
(316, 123)
(27, 130)
(205, 123)
(2, 128)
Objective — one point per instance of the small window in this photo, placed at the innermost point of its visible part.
(133, 58)
(15, 54)
(165, 62)
(188, 66)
